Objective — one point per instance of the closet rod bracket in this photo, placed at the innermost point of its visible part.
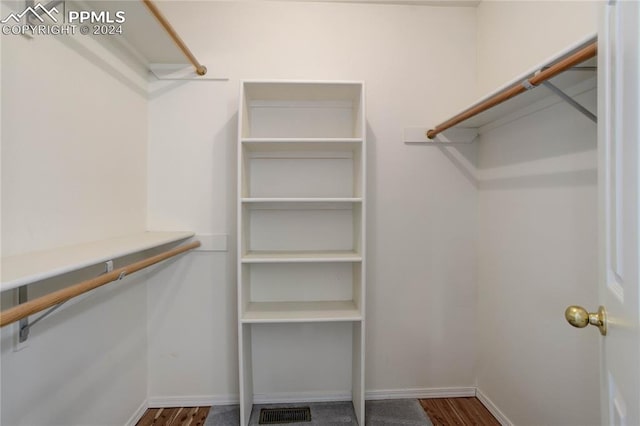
(24, 325)
(568, 99)
(454, 135)
(527, 85)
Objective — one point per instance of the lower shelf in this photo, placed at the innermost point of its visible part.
(274, 312)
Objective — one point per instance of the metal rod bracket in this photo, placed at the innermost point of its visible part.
(527, 85)
(568, 99)
(24, 324)
(454, 135)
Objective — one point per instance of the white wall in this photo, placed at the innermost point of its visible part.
(538, 226)
(74, 146)
(73, 169)
(538, 255)
(516, 35)
(421, 243)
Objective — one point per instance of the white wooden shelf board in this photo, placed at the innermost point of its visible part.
(300, 144)
(146, 39)
(572, 82)
(300, 140)
(301, 200)
(297, 256)
(27, 268)
(273, 312)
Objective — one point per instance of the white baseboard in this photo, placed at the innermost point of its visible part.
(270, 398)
(285, 397)
(192, 401)
(493, 408)
(294, 397)
(137, 415)
(421, 393)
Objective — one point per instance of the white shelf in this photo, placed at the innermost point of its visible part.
(27, 268)
(143, 37)
(300, 140)
(287, 312)
(301, 144)
(300, 256)
(572, 82)
(301, 200)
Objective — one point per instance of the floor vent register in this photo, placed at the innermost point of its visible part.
(271, 416)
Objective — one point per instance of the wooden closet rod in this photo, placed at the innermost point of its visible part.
(200, 69)
(31, 307)
(582, 55)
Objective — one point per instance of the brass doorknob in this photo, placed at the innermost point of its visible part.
(578, 316)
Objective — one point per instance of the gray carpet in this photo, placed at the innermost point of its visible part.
(223, 415)
(378, 413)
(395, 412)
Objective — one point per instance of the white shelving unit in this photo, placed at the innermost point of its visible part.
(301, 215)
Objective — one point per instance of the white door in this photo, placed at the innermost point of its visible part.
(618, 141)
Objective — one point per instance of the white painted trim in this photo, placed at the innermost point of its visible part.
(493, 408)
(420, 393)
(137, 415)
(294, 397)
(269, 398)
(291, 397)
(192, 401)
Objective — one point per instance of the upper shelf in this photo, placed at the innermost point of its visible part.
(150, 36)
(573, 83)
(27, 268)
(562, 77)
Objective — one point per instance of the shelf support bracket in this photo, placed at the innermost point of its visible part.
(24, 326)
(568, 99)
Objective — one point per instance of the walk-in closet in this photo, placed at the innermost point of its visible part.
(321, 212)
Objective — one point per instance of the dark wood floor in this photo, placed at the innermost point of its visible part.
(457, 411)
(189, 416)
(441, 411)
